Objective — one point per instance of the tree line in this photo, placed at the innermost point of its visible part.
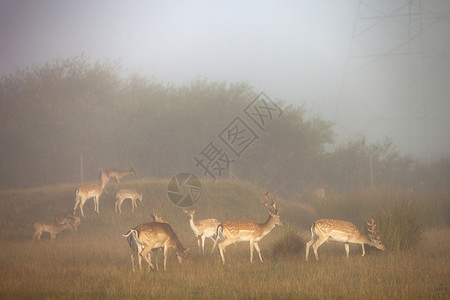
(55, 116)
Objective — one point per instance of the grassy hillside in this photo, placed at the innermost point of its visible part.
(94, 263)
(223, 200)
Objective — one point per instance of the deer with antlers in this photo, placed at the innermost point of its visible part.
(342, 231)
(248, 231)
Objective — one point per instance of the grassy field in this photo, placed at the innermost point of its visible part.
(94, 263)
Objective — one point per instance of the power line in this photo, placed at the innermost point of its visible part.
(390, 37)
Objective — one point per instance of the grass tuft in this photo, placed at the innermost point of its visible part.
(401, 225)
(289, 244)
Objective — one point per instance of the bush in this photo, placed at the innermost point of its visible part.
(401, 225)
(289, 244)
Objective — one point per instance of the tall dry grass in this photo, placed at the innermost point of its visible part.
(95, 263)
(76, 266)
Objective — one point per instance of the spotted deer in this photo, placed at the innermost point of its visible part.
(90, 190)
(231, 232)
(124, 194)
(51, 227)
(341, 231)
(203, 229)
(136, 247)
(155, 235)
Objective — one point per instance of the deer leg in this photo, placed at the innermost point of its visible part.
(317, 245)
(259, 251)
(81, 207)
(222, 247)
(203, 244)
(363, 250)
(97, 204)
(157, 251)
(347, 248)
(77, 202)
(199, 243)
(215, 243)
(132, 262)
(146, 254)
(140, 262)
(166, 251)
(308, 245)
(251, 251)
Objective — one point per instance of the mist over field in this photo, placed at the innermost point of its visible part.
(67, 120)
(375, 73)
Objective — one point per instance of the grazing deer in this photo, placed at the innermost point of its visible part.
(90, 190)
(203, 229)
(136, 247)
(123, 194)
(117, 174)
(248, 231)
(51, 227)
(341, 231)
(68, 218)
(148, 236)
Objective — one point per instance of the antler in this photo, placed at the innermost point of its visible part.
(273, 207)
(371, 228)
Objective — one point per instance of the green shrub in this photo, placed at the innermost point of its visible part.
(288, 244)
(401, 224)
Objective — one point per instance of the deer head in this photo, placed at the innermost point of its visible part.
(373, 235)
(272, 208)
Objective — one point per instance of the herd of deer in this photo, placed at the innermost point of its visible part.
(65, 221)
(159, 235)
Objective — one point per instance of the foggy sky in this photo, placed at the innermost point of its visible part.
(318, 53)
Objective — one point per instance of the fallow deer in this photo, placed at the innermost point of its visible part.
(341, 231)
(123, 194)
(91, 190)
(248, 231)
(203, 229)
(145, 237)
(49, 226)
